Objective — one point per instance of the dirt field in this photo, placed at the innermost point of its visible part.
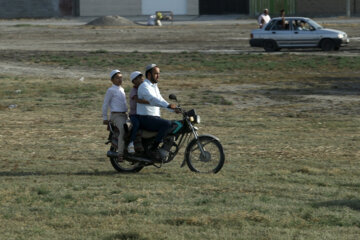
(208, 36)
(24, 38)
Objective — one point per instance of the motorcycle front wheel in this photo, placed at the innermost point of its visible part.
(211, 160)
(125, 166)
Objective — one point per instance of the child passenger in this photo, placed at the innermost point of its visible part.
(137, 79)
(115, 99)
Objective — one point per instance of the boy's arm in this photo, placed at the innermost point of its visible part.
(138, 100)
(146, 94)
(105, 106)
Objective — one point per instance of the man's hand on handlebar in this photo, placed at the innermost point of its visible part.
(174, 107)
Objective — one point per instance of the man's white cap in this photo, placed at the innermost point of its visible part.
(150, 66)
(113, 72)
(134, 75)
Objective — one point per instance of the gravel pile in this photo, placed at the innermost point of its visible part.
(111, 21)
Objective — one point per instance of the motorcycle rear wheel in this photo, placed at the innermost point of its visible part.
(126, 166)
(211, 161)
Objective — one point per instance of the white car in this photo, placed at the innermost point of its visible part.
(297, 32)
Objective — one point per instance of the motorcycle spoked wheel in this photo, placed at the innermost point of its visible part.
(211, 161)
(126, 166)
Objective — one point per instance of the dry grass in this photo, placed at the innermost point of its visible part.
(291, 140)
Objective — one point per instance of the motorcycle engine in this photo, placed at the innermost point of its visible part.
(168, 143)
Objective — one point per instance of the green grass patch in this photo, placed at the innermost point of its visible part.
(193, 61)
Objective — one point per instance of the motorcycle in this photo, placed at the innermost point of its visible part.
(203, 154)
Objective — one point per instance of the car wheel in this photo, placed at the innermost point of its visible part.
(327, 45)
(270, 46)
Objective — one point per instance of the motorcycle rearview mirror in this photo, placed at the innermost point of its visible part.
(172, 97)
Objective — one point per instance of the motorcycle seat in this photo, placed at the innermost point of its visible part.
(147, 134)
(144, 133)
(150, 134)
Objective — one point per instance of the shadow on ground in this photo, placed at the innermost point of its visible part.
(83, 173)
(80, 173)
(353, 204)
(338, 86)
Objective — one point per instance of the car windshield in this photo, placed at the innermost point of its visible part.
(315, 24)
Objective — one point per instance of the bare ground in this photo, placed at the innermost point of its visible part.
(18, 38)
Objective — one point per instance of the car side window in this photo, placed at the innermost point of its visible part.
(308, 27)
(279, 26)
(298, 25)
(270, 25)
(301, 25)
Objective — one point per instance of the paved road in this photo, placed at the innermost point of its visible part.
(178, 20)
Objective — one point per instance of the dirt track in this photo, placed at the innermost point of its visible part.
(209, 36)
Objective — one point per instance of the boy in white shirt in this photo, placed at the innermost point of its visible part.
(115, 99)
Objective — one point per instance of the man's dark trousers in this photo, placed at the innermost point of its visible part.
(155, 124)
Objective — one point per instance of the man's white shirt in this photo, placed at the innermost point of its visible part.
(151, 93)
(264, 17)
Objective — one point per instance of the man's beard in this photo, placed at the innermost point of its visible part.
(153, 80)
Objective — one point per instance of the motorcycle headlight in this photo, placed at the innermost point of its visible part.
(195, 119)
(340, 35)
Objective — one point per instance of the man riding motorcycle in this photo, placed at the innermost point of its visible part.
(149, 114)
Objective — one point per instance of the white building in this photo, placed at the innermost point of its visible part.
(137, 7)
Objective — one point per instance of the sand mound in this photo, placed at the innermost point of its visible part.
(111, 21)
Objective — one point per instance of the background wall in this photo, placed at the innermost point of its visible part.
(257, 7)
(224, 7)
(326, 7)
(29, 8)
(110, 7)
(57, 8)
(176, 6)
(193, 7)
(137, 7)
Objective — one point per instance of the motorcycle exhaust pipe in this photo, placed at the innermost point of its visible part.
(140, 159)
(112, 154)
